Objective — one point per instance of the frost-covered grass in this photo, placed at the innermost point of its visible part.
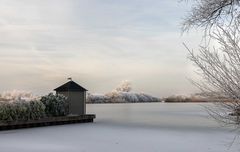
(142, 127)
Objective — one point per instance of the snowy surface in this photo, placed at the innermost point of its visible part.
(145, 127)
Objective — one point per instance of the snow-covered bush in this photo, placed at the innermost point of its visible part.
(21, 110)
(97, 98)
(56, 105)
(21, 105)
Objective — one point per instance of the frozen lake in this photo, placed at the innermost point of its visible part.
(141, 127)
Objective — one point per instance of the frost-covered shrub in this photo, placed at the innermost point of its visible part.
(97, 98)
(21, 110)
(56, 105)
(37, 109)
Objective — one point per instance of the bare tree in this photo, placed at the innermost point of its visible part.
(219, 69)
(218, 62)
(207, 13)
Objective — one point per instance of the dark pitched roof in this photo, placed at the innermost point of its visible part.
(70, 86)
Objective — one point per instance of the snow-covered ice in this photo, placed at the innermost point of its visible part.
(141, 127)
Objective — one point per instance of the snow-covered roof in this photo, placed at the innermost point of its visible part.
(70, 86)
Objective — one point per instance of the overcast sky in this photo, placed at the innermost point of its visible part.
(98, 43)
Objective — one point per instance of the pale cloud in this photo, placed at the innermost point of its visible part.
(98, 43)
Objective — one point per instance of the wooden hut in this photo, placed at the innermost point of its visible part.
(76, 95)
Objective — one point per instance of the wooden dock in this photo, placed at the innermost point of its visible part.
(47, 122)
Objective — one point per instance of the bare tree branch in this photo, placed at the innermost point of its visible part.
(220, 71)
(208, 13)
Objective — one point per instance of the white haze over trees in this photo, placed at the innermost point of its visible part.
(125, 86)
(121, 94)
(15, 95)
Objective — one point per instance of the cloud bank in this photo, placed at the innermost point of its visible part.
(98, 43)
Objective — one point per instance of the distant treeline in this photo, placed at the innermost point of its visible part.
(193, 98)
(121, 97)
